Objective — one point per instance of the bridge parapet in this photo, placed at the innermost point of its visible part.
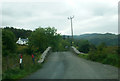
(75, 50)
(44, 54)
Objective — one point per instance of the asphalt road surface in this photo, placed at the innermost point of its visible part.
(66, 65)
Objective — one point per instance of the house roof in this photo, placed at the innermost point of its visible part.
(24, 39)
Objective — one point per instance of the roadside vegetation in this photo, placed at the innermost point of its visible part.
(14, 71)
(11, 56)
(105, 55)
(99, 53)
(39, 40)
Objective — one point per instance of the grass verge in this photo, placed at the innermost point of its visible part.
(111, 59)
(17, 73)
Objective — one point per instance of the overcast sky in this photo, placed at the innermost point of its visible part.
(90, 16)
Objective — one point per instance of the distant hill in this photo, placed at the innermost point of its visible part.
(96, 38)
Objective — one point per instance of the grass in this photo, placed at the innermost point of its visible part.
(111, 59)
(17, 73)
(108, 55)
(14, 71)
(28, 67)
(85, 56)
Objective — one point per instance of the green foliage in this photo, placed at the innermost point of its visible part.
(22, 49)
(118, 50)
(19, 32)
(92, 47)
(8, 42)
(0, 41)
(63, 45)
(14, 72)
(41, 38)
(8, 45)
(112, 59)
(37, 40)
(85, 56)
(101, 46)
(97, 38)
(104, 54)
(83, 45)
(18, 73)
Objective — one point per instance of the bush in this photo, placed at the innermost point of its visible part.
(18, 73)
(83, 45)
(107, 55)
(8, 42)
(112, 59)
(22, 49)
(27, 66)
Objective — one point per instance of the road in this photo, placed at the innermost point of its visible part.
(66, 65)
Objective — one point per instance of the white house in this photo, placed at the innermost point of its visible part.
(22, 41)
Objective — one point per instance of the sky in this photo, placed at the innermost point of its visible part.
(90, 16)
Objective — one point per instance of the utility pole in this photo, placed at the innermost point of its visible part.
(71, 28)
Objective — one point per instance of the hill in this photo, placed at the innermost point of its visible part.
(96, 38)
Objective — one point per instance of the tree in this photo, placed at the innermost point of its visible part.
(8, 41)
(19, 32)
(8, 44)
(83, 45)
(37, 40)
(41, 38)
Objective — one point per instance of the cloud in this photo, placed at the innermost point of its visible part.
(90, 15)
